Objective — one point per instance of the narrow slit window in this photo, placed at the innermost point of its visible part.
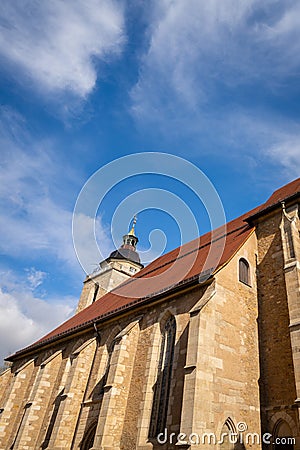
(289, 241)
(96, 289)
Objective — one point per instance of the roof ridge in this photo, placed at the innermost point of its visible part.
(182, 256)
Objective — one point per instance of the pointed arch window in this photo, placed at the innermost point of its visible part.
(284, 436)
(228, 437)
(244, 271)
(103, 381)
(163, 381)
(89, 437)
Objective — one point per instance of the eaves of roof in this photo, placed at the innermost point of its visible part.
(287, 193)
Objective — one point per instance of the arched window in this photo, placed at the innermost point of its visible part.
(244, 271)
(283, 436)
(163, 381)
(103, 381)
(228, 437)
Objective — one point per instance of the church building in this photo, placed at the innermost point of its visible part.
(198, 350)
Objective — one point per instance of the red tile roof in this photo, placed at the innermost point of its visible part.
(282, 194)
(168, 272)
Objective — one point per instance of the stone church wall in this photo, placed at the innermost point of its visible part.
(278, 388)
(108, 380)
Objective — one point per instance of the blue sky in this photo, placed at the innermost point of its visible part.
(83, 83)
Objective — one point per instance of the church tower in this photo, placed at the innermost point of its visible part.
(118, 267)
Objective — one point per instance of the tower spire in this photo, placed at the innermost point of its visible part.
(127, 251)
(132, 231)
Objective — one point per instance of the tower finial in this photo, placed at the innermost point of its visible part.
(131, 232)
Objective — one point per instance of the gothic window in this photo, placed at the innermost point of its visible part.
(89, 437)
(59, 399)
(225, 437)
(284, 437)
(244, 271)
(21, 426)
(99, 391)
(229, 436)
(162, 386)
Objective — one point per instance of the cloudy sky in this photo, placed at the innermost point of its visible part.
(86, 82)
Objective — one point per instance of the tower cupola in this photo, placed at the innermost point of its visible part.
(127, 251)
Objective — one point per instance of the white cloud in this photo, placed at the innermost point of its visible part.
(56, 42)
(196, 47)
(36, 229)
(30, 219)
(25, 318)
(35, 277)
(287, 152)
(275, 139)
(262, 142)
(91, 241)
(33, 219)
(201, 59)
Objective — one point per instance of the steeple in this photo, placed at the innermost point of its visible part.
(127, 251)
(130, 240)
(131, 232)
(112, 271)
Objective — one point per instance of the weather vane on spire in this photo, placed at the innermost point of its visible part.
(133, 225)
